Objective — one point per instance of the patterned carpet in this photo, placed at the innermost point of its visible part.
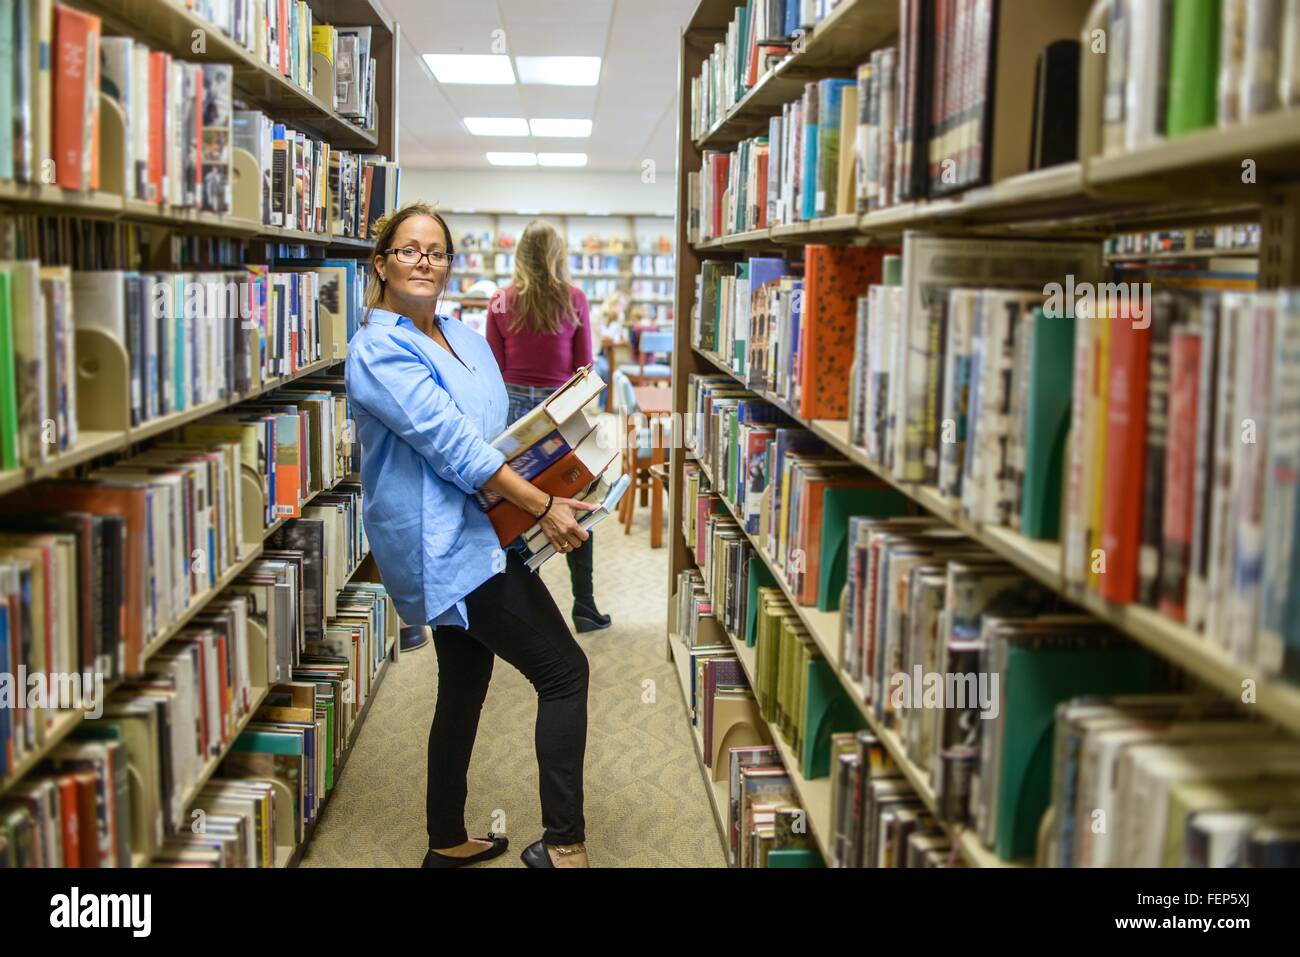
(645, 800)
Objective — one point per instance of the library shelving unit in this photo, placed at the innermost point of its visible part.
(105, 429)
(1191, 180)
(621, 234)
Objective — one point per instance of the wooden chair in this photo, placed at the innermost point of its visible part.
(643, 460)
(645, 370)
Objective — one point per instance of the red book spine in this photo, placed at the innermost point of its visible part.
(158, 70)
(721, 167)
(69, 820)
(1126, 408)
(1180, 471)
(223, 686)
(762, 191)
(72, 30)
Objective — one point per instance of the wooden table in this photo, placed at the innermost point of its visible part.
(653, 402)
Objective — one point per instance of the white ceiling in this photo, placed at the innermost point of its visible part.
(633, 109)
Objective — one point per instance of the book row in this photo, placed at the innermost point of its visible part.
(950, 381)
(188, 338)
(1175, 68)
(930, 116)
(988, 687)
(284, 34)
(126, 788)
(1202, 240)
(96, 570)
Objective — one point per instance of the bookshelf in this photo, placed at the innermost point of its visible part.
(629, 237)
(1187, 181)
(103, 366)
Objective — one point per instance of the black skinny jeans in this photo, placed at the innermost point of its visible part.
(511, 615)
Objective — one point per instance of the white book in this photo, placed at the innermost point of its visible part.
(1146, 74)
(1288, 78)
(1261, 53)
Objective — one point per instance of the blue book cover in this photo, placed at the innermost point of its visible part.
(791, 16)
(808, 175)
(530, 463)
(764, 277)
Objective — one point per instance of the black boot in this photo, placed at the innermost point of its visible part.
(586, 617)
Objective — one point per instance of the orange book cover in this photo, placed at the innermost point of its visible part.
(128, 503)
(92, 92)
(159, 70)
(811, 506)
(72, 72)
(1125, 462)
(70, 823)
(565, 479)
(761, 190)
(834, 279)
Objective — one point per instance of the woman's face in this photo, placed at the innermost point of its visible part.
(422, 283)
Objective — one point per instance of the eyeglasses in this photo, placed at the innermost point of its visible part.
(410, 256)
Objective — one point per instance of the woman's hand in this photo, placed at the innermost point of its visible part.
(560, 524)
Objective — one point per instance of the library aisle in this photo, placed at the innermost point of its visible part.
(646, 804)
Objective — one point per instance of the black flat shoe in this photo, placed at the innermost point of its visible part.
(499, 844)
(535, 855)
(587, 618)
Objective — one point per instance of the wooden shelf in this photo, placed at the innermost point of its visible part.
(837, 45)
(171, 28)
(824, 628)
(63, 724)
(1196, 654)
(719, 797)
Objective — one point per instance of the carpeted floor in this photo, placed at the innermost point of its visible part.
(645, 800)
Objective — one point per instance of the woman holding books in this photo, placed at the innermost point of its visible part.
(539, 328)
(426, 395)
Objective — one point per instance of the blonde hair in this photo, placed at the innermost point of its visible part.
(384, 229)
(543, 297)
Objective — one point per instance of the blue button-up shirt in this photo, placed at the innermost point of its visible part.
(423, 418)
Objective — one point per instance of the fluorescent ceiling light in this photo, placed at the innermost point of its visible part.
(576, 128)
(483, 68)
(562, 159)
(496, 125)
(559, 70)
(512, 159)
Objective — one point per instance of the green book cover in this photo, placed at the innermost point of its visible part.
(1039, 675)
(758, 577)
(8, 388)
(838, 506)
(1047, 425)
(827, 709)
(325, 709)
(1193, 66)
(799, 857)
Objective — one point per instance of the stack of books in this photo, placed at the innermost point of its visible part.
(558, 448)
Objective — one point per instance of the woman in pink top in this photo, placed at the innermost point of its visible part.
(539, 328)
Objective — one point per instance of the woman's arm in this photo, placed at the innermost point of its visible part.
(396, 387)
(582, 335)
(560, 525)
(495, 337)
